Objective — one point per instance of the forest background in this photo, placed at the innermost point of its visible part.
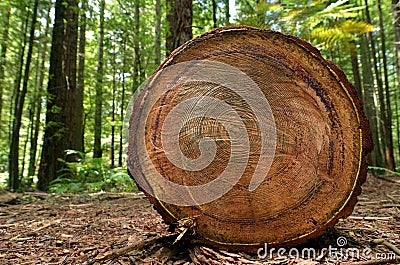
(69, 68)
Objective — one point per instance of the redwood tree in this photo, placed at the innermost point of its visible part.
(179, 17)
(97, 151)
(13, 162)
(61, 91)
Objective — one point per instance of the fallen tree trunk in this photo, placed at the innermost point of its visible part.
(245, 136)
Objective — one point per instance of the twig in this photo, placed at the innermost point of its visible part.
(125, 250)
(48, 225)
(391, 205)
(7, 225)
(388, 244)
(355, 229)
(384, 169)
(370, 218)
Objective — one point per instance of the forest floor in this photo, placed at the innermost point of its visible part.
(107, 228)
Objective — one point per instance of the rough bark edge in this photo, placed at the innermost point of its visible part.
(367, 143)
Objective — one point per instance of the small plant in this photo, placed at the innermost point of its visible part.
(91, 175)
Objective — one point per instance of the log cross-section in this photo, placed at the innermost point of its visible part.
(312, 119)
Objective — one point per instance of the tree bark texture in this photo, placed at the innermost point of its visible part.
(179, 18)
(98, 151)
(61, 90)
(13, 164)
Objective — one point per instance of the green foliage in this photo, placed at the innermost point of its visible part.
(91, 175)
(343, 33)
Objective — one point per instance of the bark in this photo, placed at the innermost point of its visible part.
(227, 14)
(214, 9)
(356, 72)
(388, 125)
(179, 18)
(136, 48)
(114, 92)
(78, 119)
(38, 104)
(396, 25)
(3, 55)
(98, 152)
(157, 59)
(18, 77)
(18, 109)
(61, 92)
(121, 136)
(376, 156)
(382, 105)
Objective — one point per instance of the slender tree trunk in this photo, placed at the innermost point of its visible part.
(35, 101)
(3, 53)
(214, 9)
(356, 71)
(98, 152)
(18, 78)
(121, 136)
(38, 104)
(19, 105)
(25, 145)
(392, 163)
(81, 74)
(396, 25)
(114, 92)
(78, 119)
(157, 59)
(61, 92)
(179, 17)
(376, 156)
(136, 48)
(383, 115)
(227, 14)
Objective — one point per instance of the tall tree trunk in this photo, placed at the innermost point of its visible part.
(61, 92)
(136, 48)
(78, 119)
(157, 59)
(17, 81)
(114, 92)
(98, 152)
(179, 17)
(376, 156)
(396, 25)
(38, 104)
(121, 136)
(81, 73)
(3, 53)
(18, 109)
(214, 9)
(227, 14)
(25, 145)
(382, 106)
(389, 140)
(356, 72)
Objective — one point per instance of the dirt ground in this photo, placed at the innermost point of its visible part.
(106, 228)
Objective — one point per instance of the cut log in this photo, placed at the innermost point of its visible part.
(246, 136)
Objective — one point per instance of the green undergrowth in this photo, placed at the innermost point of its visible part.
(92, 175)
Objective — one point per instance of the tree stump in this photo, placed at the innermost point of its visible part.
(246, 136)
